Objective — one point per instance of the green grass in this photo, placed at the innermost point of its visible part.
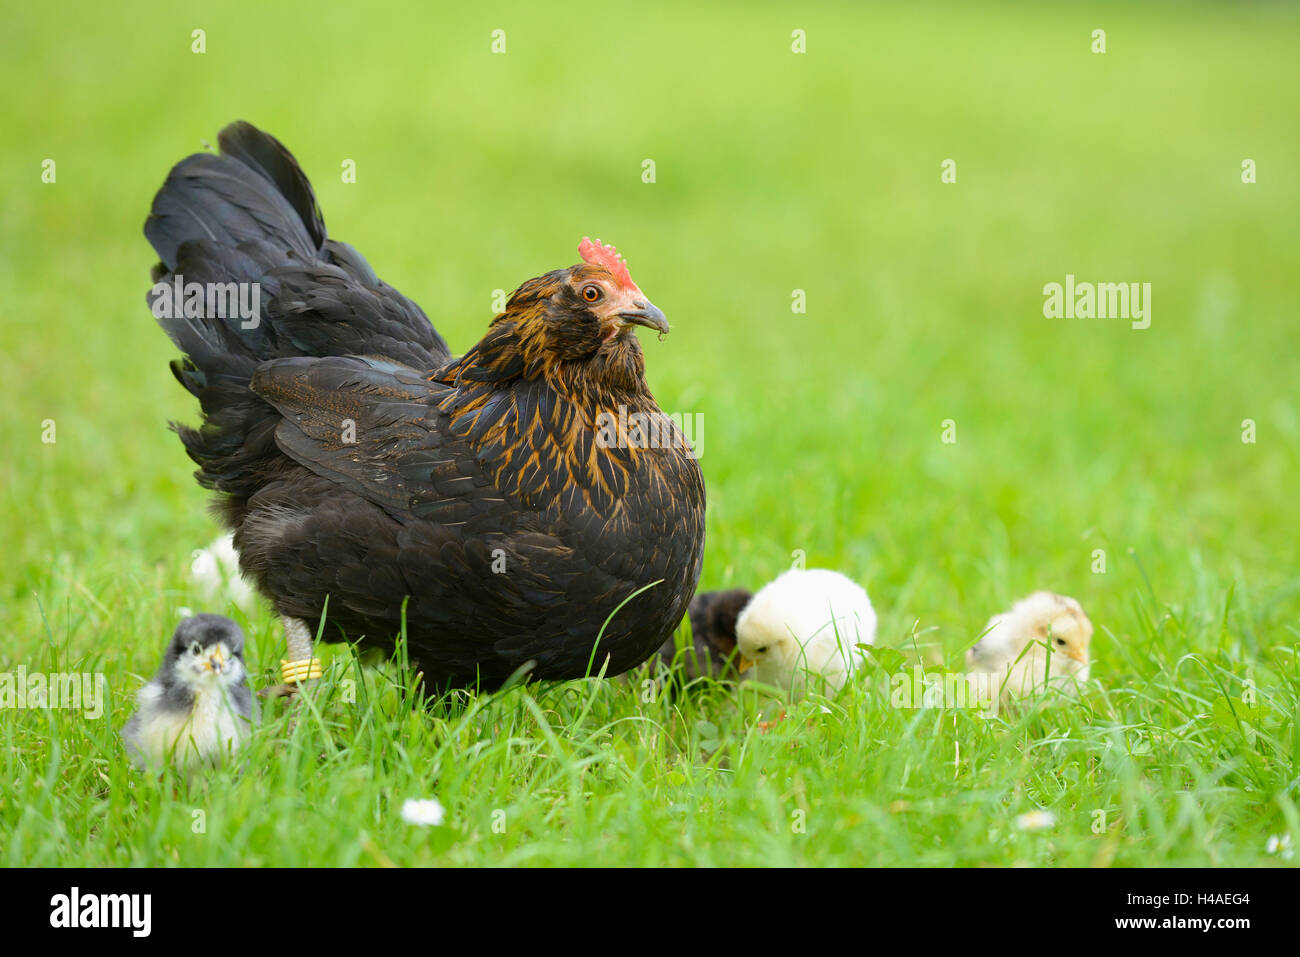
(822, 432)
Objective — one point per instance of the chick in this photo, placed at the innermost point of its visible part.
(1041, 621)
(804, 629)
(712, 653)
(198, 707)
(215, 572)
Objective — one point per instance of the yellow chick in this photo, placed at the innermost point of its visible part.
(804, 629)
(1035, 624)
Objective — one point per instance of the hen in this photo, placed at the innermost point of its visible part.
(504, 503)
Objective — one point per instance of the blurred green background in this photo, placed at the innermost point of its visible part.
(775, 171)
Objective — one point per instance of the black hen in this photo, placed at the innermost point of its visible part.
(510, 499)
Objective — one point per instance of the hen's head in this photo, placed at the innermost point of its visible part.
(576, 324)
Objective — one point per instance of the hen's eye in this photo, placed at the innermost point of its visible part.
(591, 293)
(195, 649)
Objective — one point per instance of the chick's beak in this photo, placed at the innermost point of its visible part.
(216, 661)
(1078, 654)
(744, 664)
(645, 314)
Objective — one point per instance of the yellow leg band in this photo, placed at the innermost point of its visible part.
(296, 672)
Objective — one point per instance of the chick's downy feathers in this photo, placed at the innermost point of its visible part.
(1014, 649)
(803, 629)
(712, 651)
(198, 707)
(215, 573)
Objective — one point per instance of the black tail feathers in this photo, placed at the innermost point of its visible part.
(248, 275)
(211, 197)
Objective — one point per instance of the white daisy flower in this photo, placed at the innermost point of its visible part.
(1036, 821)
(425, 812)
(1280, 844)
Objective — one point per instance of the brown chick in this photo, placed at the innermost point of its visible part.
(712, 652)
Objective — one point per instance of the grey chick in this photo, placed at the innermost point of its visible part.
(712, 652)
(198, 708)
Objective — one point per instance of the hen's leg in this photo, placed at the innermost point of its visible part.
(298, 636)
(299, 667)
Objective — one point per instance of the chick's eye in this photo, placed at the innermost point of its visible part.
(591, 293)
(1061, 642)
(195, 649)
(763, 650)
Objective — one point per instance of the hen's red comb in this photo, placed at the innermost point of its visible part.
(598, 254)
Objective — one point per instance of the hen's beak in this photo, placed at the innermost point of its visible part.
(645, 314)
(744, 664)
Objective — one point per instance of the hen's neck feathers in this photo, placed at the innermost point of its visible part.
(539, 418)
